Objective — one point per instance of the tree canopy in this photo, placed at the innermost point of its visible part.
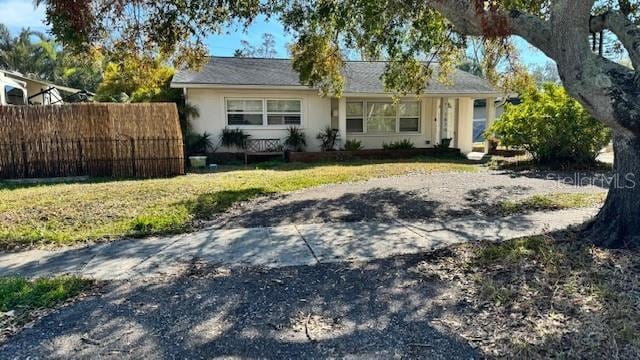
(37, 55)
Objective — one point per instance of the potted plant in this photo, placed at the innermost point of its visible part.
(197, 147)
(296, 140)
(445, 143)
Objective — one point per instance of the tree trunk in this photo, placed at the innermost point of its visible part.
(617, 225)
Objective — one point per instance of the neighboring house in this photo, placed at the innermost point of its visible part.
(264, 97)
(37, 92)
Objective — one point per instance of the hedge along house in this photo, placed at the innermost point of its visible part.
(264, 97)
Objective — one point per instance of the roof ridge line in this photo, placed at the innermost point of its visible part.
(289, 59)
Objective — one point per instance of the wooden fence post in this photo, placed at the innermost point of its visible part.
(80, 158)
(133, 156)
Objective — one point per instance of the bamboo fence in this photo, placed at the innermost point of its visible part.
(111, 140)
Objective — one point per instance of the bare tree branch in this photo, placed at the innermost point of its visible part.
(626, 30)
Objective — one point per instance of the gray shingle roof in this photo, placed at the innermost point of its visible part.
(361, 76)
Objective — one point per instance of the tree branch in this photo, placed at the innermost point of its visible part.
(606, 89)
(470, 17)
(626, 30)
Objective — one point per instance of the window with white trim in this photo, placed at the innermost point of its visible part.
(409, 116)
(383, 117)
(284, 112)
(245, 112)
(355, 117)
(263, 112)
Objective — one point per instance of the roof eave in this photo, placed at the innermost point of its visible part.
(475, 94)
(472, 94)
(181, 85)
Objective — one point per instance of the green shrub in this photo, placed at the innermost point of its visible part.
(233, 138)
(198, 144)
(353, 145)
(327, 138)
(399, 145)
(551, 126)
(296, 139)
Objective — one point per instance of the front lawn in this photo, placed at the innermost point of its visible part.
(64, 214)
(21, 298)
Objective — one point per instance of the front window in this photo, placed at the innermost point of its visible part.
(262, 112)
(14, 95)
(383, 117)
(284, 112)
(244, 112)
(355, 117)
(409, 116)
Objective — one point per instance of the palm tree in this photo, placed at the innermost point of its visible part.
(21, 54)
(6, 44)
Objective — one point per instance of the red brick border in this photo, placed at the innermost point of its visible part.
(366, 154)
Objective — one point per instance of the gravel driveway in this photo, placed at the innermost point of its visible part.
(382, 309)
(416, 196)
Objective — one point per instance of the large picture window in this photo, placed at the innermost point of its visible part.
(383, 117)
(263, 112)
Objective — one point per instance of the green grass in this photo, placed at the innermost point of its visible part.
(63, 214)
(22, 296)
(557, 201)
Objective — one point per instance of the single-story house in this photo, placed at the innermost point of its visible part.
(19, 89)
(264, 97)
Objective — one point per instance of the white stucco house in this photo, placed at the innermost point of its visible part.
(264, 97)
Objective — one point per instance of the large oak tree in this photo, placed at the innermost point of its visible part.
(411, 34)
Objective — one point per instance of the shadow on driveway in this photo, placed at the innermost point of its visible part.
(380, 309)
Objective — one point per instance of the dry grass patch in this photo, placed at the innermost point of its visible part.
(537, 298)
(63, 214)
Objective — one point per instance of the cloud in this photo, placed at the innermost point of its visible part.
(17, 14)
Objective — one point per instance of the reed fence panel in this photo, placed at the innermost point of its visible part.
(111, 140)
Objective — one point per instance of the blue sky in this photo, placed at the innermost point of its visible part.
(17, 14)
